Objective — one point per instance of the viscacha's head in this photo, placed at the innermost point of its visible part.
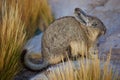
(89, 21)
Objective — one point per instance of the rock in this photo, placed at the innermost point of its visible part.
(69, 5)
(40, 77)
(34, 44)
(25, 74)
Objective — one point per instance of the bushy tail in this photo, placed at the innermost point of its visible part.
(25, 59)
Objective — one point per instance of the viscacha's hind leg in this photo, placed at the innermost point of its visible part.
(75, 50)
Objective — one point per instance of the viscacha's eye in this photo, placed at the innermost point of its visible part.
(78, 14)
(94, 24)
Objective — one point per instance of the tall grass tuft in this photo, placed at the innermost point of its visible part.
(35, 14)
(13, 33)
(12, 38)
(87, 70)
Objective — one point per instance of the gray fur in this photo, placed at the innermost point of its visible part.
(63, 33)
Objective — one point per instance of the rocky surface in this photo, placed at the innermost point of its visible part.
(34, 44)
(107, 10)
(25, 74)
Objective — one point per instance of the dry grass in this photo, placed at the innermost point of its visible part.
(18, 21)
(35, 14)
(12, 38)
(89, 70)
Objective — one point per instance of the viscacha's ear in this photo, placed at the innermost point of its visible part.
(81, 16)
